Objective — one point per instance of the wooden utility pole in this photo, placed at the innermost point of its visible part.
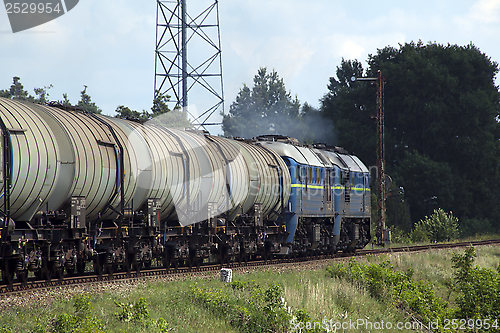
(383, 236)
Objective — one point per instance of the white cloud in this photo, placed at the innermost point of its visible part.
(486, 11)
(481, 15)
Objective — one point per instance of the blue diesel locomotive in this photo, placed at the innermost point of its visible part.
(329, 204)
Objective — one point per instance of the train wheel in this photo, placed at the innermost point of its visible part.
(137, 266)
(80, 267)
(350, 249)
(223, 255)
(109, 268)
(97, 265)
(166, 261)
(7, 274)
(267, 253)
(136, 263)
(70, 270)
(242, 257)
(38, 274)
(169, 258)
(22, 276)
(109, 264)
(194, 261)
(46, 274)
(46, 270)
(57, 271)
(21, 270)
(127, 266)
(176, 263)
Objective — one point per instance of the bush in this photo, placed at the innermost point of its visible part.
(38, 329)
(396, 287)
(248, 307)
(438, 227)
(478, 289)
(133, 312)
(398, 235)
(81, 322)
(5, 329)
(475, 227)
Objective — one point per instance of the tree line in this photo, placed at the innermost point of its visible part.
(159, 112)
(17, 92)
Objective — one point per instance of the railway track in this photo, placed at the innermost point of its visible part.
(183, 271)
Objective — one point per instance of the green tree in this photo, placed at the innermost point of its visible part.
(5, 93)
(86, 103)
(162, 115)
(126, 113)
(399, 217)
(42, 94)
(175, 118)
(160, 105)
(16, 91)
(349, 104)
(267, 108)
(426, 183)
(441, 118)
(65, 100)
(312, 127)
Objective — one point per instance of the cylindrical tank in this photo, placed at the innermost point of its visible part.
(88, 158)
(269, 179)
(35, 159)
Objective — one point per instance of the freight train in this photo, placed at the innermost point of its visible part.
(79, 187)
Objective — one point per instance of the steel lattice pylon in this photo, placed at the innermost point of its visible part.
(200, 74)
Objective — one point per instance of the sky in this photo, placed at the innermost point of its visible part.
(109, 46)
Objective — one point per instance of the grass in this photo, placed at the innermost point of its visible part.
(337, 300)
(321, 296)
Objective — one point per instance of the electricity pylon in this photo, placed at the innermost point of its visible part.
(198, 73)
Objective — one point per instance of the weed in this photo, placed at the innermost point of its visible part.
(478, 289)
(387, 285)
(136, 312)
(5, 329)
(82, 321)
(38, 328)
(247, 306)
